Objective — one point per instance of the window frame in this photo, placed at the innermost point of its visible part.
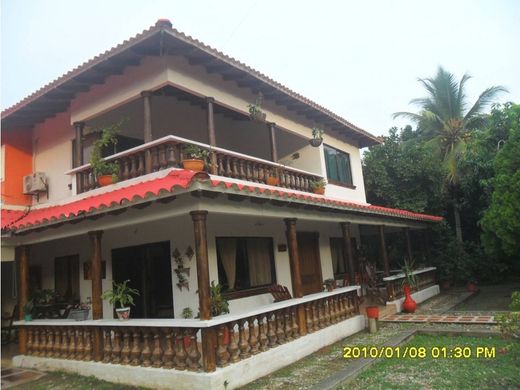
(251, 291)
(333, 180)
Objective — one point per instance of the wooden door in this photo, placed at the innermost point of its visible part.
(310, 263)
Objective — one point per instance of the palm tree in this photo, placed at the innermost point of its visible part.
(444, 120)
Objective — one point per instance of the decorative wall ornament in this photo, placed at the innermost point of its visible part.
(181, 271)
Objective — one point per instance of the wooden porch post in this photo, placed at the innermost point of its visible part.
(347, 251)
(272, 139)
(209, 337)
(408, 244)
(22, 260)
(211, 134)
(384, 255)
(97, 304)
(78, 151)
(148, 137)
(294, 260)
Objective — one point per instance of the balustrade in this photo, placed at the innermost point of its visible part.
(424, 278)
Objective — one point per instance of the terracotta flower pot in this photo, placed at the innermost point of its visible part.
(373, 312)
(471, 287)
(105, 180)
(193, 165)
(319, 190)
(272, 181)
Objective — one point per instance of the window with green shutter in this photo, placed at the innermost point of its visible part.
(338, 166)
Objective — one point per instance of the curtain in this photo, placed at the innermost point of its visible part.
(227, 248)
(337, 255)
(259, 260)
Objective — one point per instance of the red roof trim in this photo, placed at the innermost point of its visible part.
(174, 180)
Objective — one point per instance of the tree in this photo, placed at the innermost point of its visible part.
(501, 222)
(403, 173)
(445, 121)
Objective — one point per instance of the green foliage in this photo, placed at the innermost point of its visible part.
(315, 184)
(501, 222)
(317, 133)
(195, 152)
(187, 313)
(43, 297)
(404, 173)
(509, 323)
(409, 278)
(107, 139)
(121, 294)
(255, 110)
(28, 307)
(219, 305)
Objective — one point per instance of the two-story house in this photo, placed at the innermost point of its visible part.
(172, 232)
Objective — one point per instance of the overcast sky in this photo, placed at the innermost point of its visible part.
(361, 59)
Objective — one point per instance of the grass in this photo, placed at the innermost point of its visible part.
(66, 381)
(501, 372)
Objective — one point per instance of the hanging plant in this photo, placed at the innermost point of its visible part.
(317, 137)
(255, 110)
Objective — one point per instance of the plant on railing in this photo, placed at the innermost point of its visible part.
(187, 313)
(219, 304)
(317, 137)
(255, 110)
(318, 186)
(329, 284)
(409, 281)
(27, 310)
(121, 295)
(195, 157)
(106, 172)
(43, 297)
(273, 176)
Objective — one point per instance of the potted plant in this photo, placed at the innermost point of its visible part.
(373, 312)
(121, 295)
(410, 281)
(255, 110)
(219, 304)
(27, 310)
(329, 284)
(317, 137)
(106, 172)
(187, 313)
(318, 186)
(273, 176)
(80, 311)
(195, 157)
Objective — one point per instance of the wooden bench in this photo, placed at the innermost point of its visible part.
(279, 293)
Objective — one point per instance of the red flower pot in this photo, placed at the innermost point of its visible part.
(409, 305)
(272, 181)
(105, 180)
(472, 287)
(373, 312)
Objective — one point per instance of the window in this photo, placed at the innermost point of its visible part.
(245, 263)
(338, 261)
(338, 166)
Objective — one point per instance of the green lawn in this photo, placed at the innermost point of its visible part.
(501, 372)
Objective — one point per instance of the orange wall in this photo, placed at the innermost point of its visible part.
(18, 163)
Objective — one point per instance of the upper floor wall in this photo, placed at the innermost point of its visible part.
(120, 95)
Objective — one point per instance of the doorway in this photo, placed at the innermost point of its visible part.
(310, 263)
(148, 267)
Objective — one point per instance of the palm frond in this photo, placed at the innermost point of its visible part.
(461, 98)
(487, 97)
(408, 115)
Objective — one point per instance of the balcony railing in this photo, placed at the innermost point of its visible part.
(425, 278)
(175, 343)
(167, 152)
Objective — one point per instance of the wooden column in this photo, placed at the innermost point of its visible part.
(97, 304)
(201, 252)
(22, 260)
(211, 134)
(347, 251)
(147, 128)
(384, 255)
(272, 139)
(78, 154)
(294, 257)
(209, 337)
(409, 251)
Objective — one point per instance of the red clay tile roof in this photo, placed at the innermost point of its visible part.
(165, 25)
(175, 180)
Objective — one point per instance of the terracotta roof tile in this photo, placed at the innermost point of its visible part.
(172, 182)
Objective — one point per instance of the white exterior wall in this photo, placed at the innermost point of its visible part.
(179, 232)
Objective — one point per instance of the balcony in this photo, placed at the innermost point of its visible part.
(166, 152)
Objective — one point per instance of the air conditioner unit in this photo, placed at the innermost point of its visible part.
(27, 184)
(34, 183)
(39, 182)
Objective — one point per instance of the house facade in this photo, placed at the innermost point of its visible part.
(173, 232)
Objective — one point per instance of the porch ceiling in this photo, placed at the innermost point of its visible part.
(165, 188)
